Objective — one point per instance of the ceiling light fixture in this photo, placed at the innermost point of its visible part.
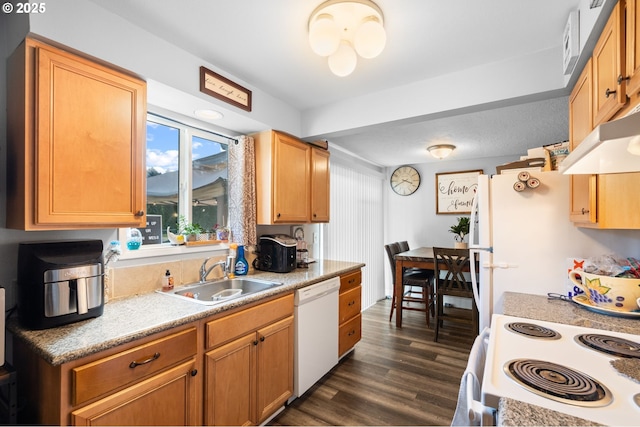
(208, 114)
(441, 151)
(344, 29)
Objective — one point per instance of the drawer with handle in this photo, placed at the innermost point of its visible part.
(349, 304)
(349, 334)
(350, 280)
(104, 375)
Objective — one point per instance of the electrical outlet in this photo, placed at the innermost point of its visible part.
(315, 237)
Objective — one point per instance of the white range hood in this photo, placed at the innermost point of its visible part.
(612, 147)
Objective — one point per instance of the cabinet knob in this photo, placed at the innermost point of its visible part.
(139, 213)
(262, 339)
(584, 211)
(609, 92)
(620, 79)
(194, 372)
(278, 215)
(255, 342)
(315, 216)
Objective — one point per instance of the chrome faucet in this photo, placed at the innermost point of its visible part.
(204, 271)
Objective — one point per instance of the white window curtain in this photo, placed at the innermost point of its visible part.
(242, 191)
(356, 230)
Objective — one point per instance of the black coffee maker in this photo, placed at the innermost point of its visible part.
(59, 282)
(276, 253)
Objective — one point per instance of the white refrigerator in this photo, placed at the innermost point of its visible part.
(524, 239)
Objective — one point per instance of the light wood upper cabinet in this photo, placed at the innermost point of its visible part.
(633, 46)
(76, 149)
(609, 94)
(320, 192)
(583, 208)
(292, 180)
(602, 201)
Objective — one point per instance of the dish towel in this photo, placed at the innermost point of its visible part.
(469, 410)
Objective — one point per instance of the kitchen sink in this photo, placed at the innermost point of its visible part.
(219, 291)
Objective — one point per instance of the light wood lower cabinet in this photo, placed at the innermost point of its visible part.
(235, 368)
(118, 386)
(249, 367)
(167, 398)
(349, 307)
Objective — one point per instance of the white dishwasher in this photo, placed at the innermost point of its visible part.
(316, 333)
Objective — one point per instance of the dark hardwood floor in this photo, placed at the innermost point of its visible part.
(395, 376)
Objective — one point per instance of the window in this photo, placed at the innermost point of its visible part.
(186, 177)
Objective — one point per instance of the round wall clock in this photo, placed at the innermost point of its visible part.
(405, 180)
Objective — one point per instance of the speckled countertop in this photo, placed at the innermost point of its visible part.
(136, 317)
(538, 307)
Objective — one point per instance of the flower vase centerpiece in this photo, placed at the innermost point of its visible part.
(460, 230)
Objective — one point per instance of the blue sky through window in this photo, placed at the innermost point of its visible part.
(162, 147)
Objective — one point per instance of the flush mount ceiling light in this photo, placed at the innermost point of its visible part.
(208, 114)
(441, 151)
(344, 29)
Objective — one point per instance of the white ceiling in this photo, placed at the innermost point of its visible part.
(264, 42)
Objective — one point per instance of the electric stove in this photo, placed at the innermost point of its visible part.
(563, 368)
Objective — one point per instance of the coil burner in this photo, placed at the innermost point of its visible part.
(614, 346)
(532, 330)
(557, 382)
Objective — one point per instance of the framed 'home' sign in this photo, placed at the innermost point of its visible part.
(455, 191)
(224, 89)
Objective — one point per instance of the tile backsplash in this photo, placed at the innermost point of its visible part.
(123, 282)
(129, 281)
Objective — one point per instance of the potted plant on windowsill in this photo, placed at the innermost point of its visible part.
(461, 229)
(190, 231)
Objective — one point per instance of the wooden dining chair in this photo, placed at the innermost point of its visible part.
(421, 279)
(451, 272)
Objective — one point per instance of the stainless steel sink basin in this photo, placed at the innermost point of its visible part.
(219, 291)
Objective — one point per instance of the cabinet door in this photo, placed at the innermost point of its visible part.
(229, 392)
(90, 139)
(319, 185)
(164, 399)
(274, 367)
(632, 21)
(583, 198)
(608, 91)
(291, 180)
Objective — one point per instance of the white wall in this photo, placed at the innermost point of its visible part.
(413, 218)
(90, 29)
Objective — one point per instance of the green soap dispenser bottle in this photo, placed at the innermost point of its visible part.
(242, 268)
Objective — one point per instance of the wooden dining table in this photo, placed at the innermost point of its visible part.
(415, 258)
